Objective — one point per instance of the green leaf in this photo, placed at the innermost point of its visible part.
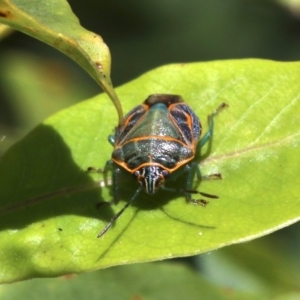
(126, 282)
(55, 24)
(255, 147)
(5, 31)
(265, 266)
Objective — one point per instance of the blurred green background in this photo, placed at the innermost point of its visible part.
(36, 81)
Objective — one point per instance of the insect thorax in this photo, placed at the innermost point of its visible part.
(152, 150)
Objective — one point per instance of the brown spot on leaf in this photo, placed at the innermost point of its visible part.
(98, 65)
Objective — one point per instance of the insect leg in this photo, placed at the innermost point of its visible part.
(208, 135)
(109, 165)
(115, 174)
(114, 218)
(111, 139)
(192, 170)
(204, 177)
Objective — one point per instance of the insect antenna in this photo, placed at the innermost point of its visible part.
(114, 218)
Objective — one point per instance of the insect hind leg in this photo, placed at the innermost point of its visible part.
(208, 135)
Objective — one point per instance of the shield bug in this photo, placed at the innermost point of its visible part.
(157, 141)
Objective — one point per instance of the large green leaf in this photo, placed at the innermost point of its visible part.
(265, 266)
(55, 24)
(126, 282)
(255, 147)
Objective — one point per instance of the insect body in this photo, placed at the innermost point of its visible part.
(156, 140)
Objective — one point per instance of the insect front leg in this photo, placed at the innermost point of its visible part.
(109, 166)
(116, 188)
(193, 169)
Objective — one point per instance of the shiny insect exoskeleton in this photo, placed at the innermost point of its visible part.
(156, 139)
